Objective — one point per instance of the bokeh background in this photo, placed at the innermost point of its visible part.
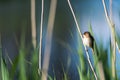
(15, 18)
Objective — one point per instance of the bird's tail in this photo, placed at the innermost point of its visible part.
(95, 49)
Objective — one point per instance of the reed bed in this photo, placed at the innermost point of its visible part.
(22, 69)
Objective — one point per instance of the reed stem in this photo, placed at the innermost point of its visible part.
(47, 52)
(41, 26)
(112, 28)
(33, 23)
(78, 28)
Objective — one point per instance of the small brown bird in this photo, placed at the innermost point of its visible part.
(88, 40)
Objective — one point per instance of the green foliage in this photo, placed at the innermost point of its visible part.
(35, 72)
(29, 71)
(22, 65)
(21, 68)
(14, 67)
(102, 56)
(4, 70)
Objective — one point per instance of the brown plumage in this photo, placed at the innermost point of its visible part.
(88, 40)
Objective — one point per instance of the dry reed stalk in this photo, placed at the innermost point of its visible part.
(48, 39)
(112, 28)
(78, 28)
(41, 26)
(33, 23)
(101, 70)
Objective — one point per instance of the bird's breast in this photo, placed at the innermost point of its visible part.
(87, 42)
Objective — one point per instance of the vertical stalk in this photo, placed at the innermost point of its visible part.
(101, 70)
(113, 53)
(33, 23)
(41, 26)
(114, 43)
(112, 28)
(50, 25)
